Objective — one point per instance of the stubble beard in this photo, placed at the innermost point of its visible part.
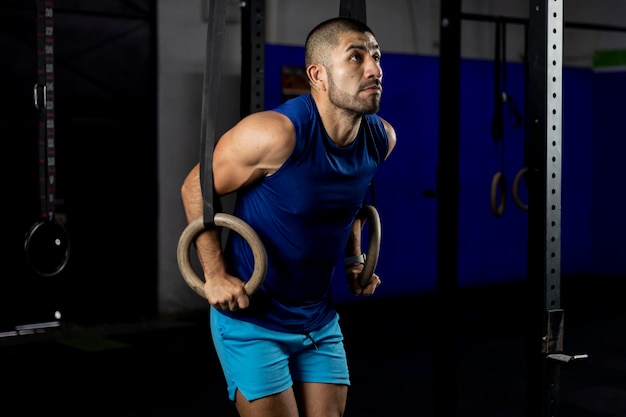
(353, 104)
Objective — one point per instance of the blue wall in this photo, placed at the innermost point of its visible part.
(491, 249)
(607, 172)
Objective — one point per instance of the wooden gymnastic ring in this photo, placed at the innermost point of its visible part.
(498, 181)
(370, 214)
(516, 181)
(191, 232)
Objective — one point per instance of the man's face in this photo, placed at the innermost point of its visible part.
(355, 75)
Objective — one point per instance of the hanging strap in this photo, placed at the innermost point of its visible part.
(208, 130)
(497, 128)
(47, 244)
(211, 218)
(506, 97)
(354, 9)
(43, 96)
(498, 181)
(501, 96)
(368, 213)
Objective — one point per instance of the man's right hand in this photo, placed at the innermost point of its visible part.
(226, 292)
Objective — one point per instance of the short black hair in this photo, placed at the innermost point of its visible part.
(325, 36)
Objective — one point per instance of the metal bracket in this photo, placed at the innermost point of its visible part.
(553, 341)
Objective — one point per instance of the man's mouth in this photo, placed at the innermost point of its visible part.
(376, 87)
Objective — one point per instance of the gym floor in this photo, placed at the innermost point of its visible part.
(169, 368)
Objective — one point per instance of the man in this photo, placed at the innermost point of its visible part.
(301, 173)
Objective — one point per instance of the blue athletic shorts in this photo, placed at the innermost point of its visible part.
(261, 362)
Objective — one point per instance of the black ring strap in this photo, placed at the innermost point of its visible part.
(47, 244)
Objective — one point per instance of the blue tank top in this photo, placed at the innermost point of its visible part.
(303, 214)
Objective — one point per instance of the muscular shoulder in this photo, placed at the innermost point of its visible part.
(255, 147)
(268, 136)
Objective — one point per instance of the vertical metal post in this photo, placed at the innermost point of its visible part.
(446, 355)
(544, 92)
(252, 57)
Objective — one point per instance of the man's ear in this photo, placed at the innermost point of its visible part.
(317, 76)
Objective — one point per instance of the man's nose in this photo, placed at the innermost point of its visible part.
(373, 69)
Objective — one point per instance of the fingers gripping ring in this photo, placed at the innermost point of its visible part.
(370, 214)
(191, 232)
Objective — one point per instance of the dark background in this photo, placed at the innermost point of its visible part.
(105, 140)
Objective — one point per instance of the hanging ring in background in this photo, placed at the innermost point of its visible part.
(370, 214)
(516, 181)
(47, 247)
(498, 182)
(191, 232)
